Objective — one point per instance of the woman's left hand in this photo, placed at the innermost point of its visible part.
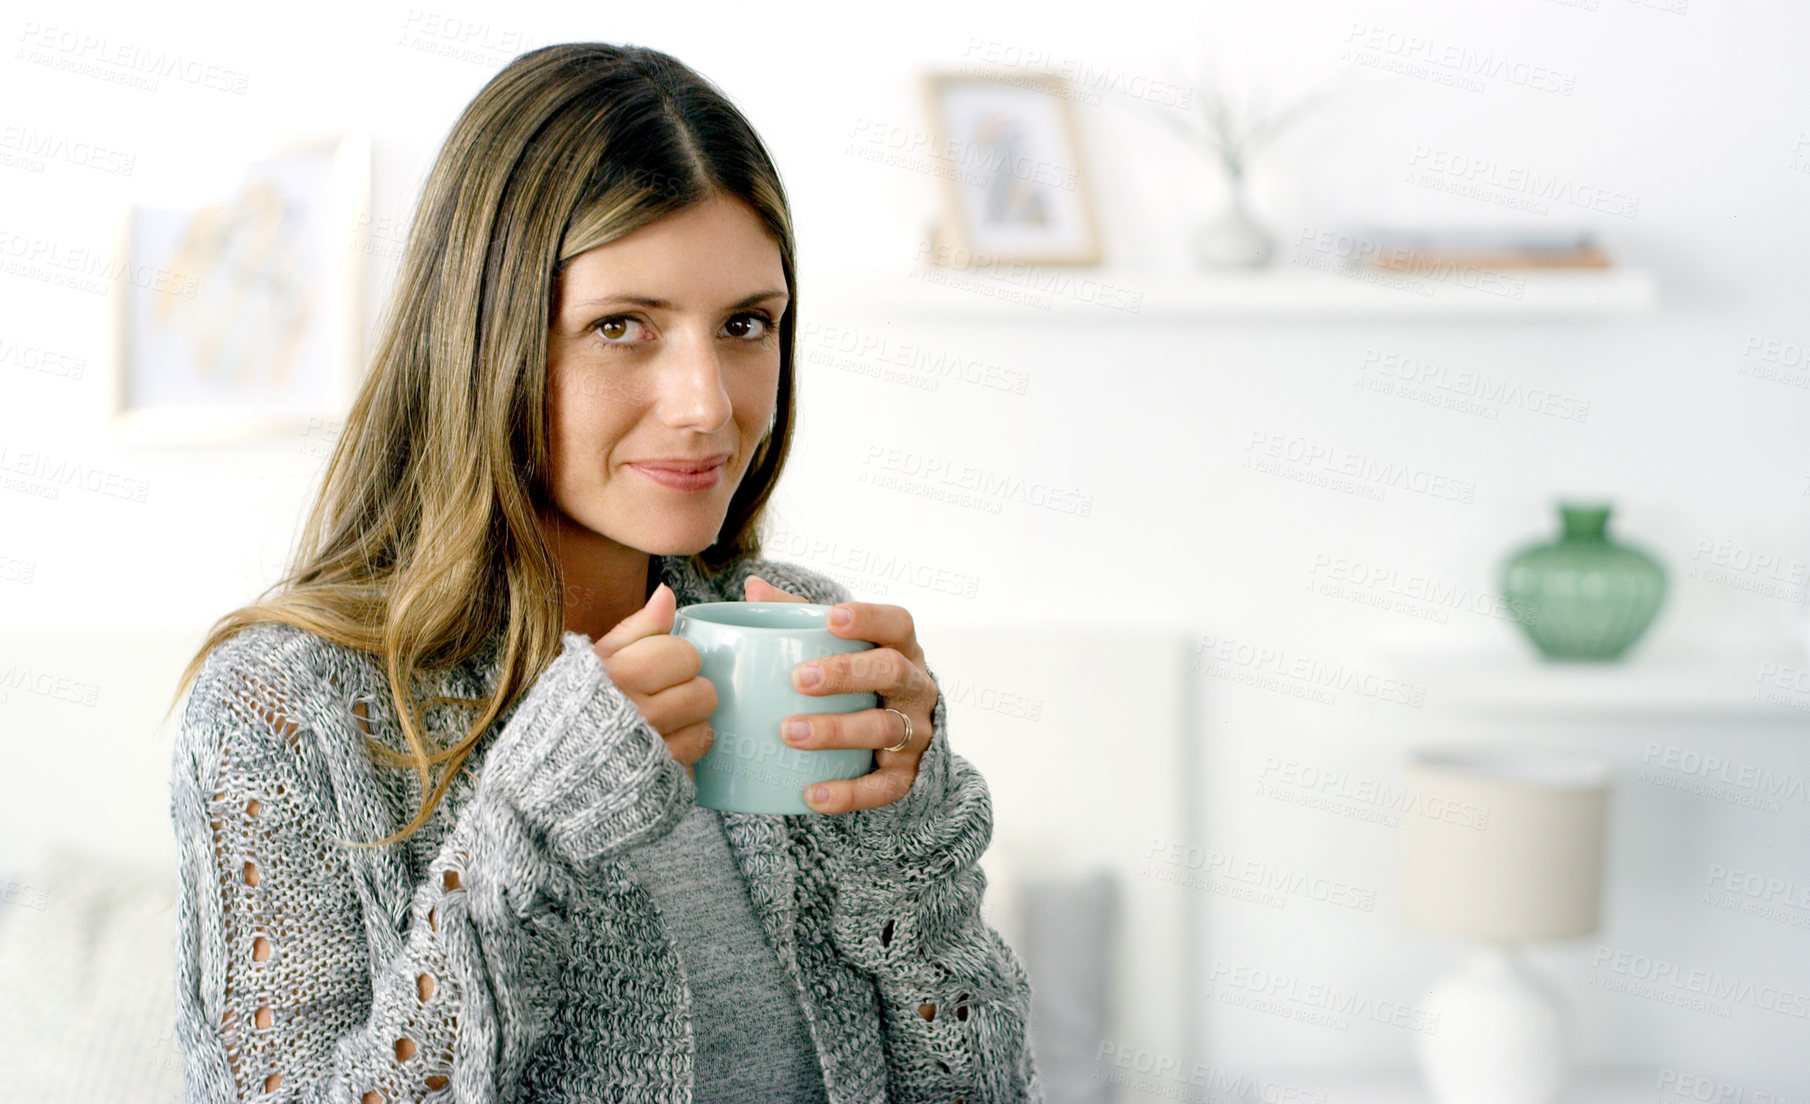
(893, 668)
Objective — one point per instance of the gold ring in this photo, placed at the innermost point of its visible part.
(903, 740)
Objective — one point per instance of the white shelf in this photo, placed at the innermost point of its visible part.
(1286, 292)
(1729, 684)
(1588, 1085)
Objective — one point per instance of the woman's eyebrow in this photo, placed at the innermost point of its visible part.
(664, 304)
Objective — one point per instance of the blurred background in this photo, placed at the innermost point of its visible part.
(1207, 379)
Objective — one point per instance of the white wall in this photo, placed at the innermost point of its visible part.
(1700, 114)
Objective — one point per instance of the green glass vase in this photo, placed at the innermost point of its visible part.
(1591, 597)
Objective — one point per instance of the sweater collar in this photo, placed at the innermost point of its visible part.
(687, 583)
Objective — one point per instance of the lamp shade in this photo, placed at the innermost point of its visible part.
(1504, 841)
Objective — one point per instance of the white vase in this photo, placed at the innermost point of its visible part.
(1501, 1035)
(1232, 239)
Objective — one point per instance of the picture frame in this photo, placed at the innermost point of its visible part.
(240, 317)
(1015, 183)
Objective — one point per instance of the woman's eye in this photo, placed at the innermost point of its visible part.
(610, 328)
(768, 330)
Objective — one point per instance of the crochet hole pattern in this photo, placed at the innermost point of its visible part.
(279, 953)
(928, 1008)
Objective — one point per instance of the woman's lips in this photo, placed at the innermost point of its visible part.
(681, 477)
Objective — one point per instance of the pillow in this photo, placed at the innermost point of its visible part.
(87, 994)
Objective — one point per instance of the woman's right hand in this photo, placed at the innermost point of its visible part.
(659, 673)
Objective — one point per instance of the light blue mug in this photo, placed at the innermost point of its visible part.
(748, 651)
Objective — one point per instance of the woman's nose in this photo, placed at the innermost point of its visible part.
(692, 395)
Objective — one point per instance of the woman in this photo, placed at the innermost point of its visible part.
(581, 399)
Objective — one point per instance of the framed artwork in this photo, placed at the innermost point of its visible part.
(1014, 183)
(241, 317)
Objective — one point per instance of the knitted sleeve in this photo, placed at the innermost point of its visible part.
(955, 999)
(282, 994)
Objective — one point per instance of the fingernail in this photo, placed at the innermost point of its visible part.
(797, 731)
(818, 795)
(808, 676)
(840, 616)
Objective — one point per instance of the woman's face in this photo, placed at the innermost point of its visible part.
(663, 355)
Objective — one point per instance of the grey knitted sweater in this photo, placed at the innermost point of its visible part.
(511, 949)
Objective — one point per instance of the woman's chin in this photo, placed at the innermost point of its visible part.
(688, 542)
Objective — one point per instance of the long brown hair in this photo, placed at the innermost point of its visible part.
(423, 540)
